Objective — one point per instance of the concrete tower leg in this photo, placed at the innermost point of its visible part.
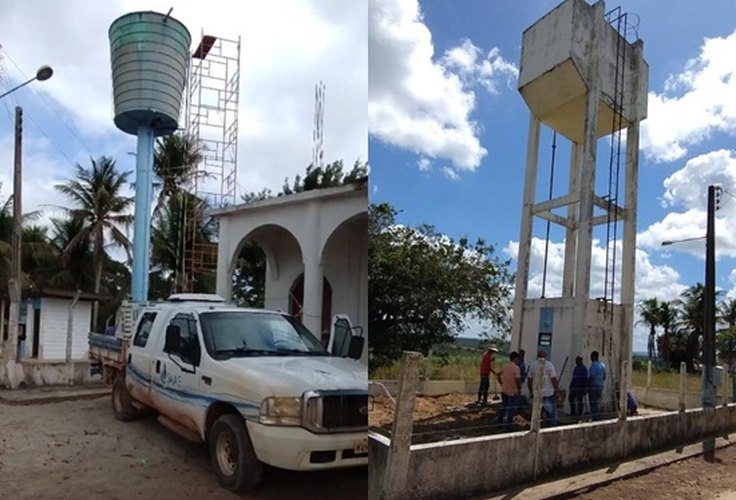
(525, 234)
(585, 217)
(568, 278)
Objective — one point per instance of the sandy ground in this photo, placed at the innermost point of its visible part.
(451, 416)
(77, 450)
(701, 477)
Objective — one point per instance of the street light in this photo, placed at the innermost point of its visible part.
(709, 298)
(11, 355)
(43, 73)
(668, 243)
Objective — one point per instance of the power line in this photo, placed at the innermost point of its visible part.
(49, 105)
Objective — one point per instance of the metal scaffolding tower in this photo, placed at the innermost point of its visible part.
(212, 122)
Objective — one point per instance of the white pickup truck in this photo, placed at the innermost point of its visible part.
(255, 385)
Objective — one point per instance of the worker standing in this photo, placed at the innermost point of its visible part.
(550, 386)
(486, 368)
(510, 390)
(596, 380)
(577, 387)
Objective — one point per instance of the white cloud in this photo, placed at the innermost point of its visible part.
(651, 280)
(488, 72)
(695, 103)
(450, 173)
(419, 103)
(424, 164)
(287, 46)
(686, 190)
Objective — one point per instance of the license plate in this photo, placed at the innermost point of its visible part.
(360, 447)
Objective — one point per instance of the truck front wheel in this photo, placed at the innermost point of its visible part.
(232, 455)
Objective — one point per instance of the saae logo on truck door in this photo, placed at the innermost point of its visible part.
(168, 379)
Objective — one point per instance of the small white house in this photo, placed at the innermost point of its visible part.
(44, 320)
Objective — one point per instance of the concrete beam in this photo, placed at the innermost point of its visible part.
(557, 219)
(562, 201)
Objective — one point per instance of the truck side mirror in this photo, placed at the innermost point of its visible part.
(355, 350)
(173, 337)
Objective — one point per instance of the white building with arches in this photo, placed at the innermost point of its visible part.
(316, 247)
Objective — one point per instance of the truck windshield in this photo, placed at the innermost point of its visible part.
(239, 334)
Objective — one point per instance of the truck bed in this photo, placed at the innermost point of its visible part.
(106, 349)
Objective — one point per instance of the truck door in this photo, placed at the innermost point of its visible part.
(340, 335)
(176, 370)
(138, 369)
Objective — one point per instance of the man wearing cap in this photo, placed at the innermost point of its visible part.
(486, 368)
(549, 386)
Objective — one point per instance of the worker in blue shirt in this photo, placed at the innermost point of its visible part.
(596, 379)
(577, 387)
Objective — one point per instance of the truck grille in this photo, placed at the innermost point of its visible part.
(336, 412)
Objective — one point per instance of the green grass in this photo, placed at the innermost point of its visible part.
(465, 367)
(667, 380)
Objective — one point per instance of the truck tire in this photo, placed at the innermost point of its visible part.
(232, 455)
(122, 405)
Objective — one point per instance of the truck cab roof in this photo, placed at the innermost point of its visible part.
(198, 303)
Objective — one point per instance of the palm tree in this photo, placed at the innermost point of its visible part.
(668, 315)
(649, 313)
(175, 163)
(97, 193)
(76, 259)
(727, 312)
(692, 318)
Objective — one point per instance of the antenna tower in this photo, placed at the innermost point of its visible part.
(319, 121)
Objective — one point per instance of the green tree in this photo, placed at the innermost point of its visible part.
(97, 193)
(175, 161)
(668, 317)
(423, 286)
(649, 314)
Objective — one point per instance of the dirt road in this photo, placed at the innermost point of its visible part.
(706, 476)
(77, 450)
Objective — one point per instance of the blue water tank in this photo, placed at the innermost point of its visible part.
(150, 58)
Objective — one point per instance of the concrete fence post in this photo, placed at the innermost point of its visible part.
(683, 374)
(724, 383)
(397, 464)
(622, 399)
(649, 374)
(537, 410)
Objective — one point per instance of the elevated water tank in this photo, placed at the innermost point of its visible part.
(560, 63)
(150, 58)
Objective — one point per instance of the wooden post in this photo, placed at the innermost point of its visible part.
(649, 374)
(537, 410)
(397, 465)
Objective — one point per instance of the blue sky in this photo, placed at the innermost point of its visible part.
(449, 129)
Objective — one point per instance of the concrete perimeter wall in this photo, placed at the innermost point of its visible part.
(477, 466)
(44, 373)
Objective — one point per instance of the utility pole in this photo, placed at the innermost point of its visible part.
(709, 306)
(14, 284)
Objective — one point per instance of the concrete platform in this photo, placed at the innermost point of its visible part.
(588, 481)
(53, 394)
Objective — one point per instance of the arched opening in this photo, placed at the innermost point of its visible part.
(249, 276)
(265, 255)
(296, 302)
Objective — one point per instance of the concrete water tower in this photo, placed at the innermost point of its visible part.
(150, 62)
(582, 77)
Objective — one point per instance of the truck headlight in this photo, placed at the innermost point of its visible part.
(281, 411)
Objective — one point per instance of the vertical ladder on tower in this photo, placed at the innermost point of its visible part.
(618, 21)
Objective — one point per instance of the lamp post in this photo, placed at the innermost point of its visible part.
(43, 73)
(709, 300)
(12, 356)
